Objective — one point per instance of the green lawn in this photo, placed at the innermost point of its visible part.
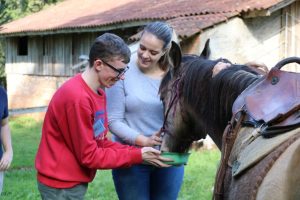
(20, 180)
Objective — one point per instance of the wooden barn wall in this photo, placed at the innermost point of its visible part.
(33, 79)
(51, 55)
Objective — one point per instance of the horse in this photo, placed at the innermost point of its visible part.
(197, 104)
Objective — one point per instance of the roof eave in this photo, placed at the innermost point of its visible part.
(80, 29)
(268, 11)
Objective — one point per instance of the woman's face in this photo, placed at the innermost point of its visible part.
(149, 51)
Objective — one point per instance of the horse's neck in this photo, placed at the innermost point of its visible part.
(217, 138)
(225, 92)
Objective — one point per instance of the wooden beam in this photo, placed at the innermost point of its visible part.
(281, 5)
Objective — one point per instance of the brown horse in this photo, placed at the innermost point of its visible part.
(197, 104)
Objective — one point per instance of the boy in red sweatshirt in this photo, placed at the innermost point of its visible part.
(74, 144)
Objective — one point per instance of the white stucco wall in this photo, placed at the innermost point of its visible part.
(252, 39)
(27, 91)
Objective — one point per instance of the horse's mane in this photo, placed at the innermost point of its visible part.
(228, 85)
(208, 101)
(175, 73)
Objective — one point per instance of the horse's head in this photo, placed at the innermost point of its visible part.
(197, 104)
(179, 117)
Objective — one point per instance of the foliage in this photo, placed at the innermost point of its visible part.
(15, 9)
(20, 180)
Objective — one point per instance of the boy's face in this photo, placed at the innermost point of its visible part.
(109, 72)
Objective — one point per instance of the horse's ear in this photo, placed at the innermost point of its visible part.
(175, 54)
(206, 50)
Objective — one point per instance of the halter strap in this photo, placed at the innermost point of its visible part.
(171, 103)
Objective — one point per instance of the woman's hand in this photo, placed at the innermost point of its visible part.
(219, 67)
(151, 141)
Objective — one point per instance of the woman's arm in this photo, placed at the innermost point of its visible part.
(116, 114)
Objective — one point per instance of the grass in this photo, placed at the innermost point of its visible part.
(20, 180)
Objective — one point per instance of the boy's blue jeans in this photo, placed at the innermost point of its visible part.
(146, 182)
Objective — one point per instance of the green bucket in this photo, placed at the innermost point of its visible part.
(178, 158)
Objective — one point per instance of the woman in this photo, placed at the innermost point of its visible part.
(135, 115)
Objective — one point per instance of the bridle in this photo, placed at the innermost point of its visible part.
(174, 99)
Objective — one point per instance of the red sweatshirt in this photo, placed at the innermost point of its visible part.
(74, 144)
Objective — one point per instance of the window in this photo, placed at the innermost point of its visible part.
(44, 45)
(23, 46)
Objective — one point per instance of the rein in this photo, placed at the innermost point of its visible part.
(174, 100)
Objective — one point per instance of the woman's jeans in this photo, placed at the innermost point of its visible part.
(146, 182)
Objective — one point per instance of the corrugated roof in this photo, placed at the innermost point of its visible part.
(187, 16)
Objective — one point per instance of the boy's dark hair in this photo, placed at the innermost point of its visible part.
(107, 47)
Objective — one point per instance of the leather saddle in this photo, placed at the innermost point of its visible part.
(271, 105)
(273, 102)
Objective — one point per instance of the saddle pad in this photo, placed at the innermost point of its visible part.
(245, 155)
